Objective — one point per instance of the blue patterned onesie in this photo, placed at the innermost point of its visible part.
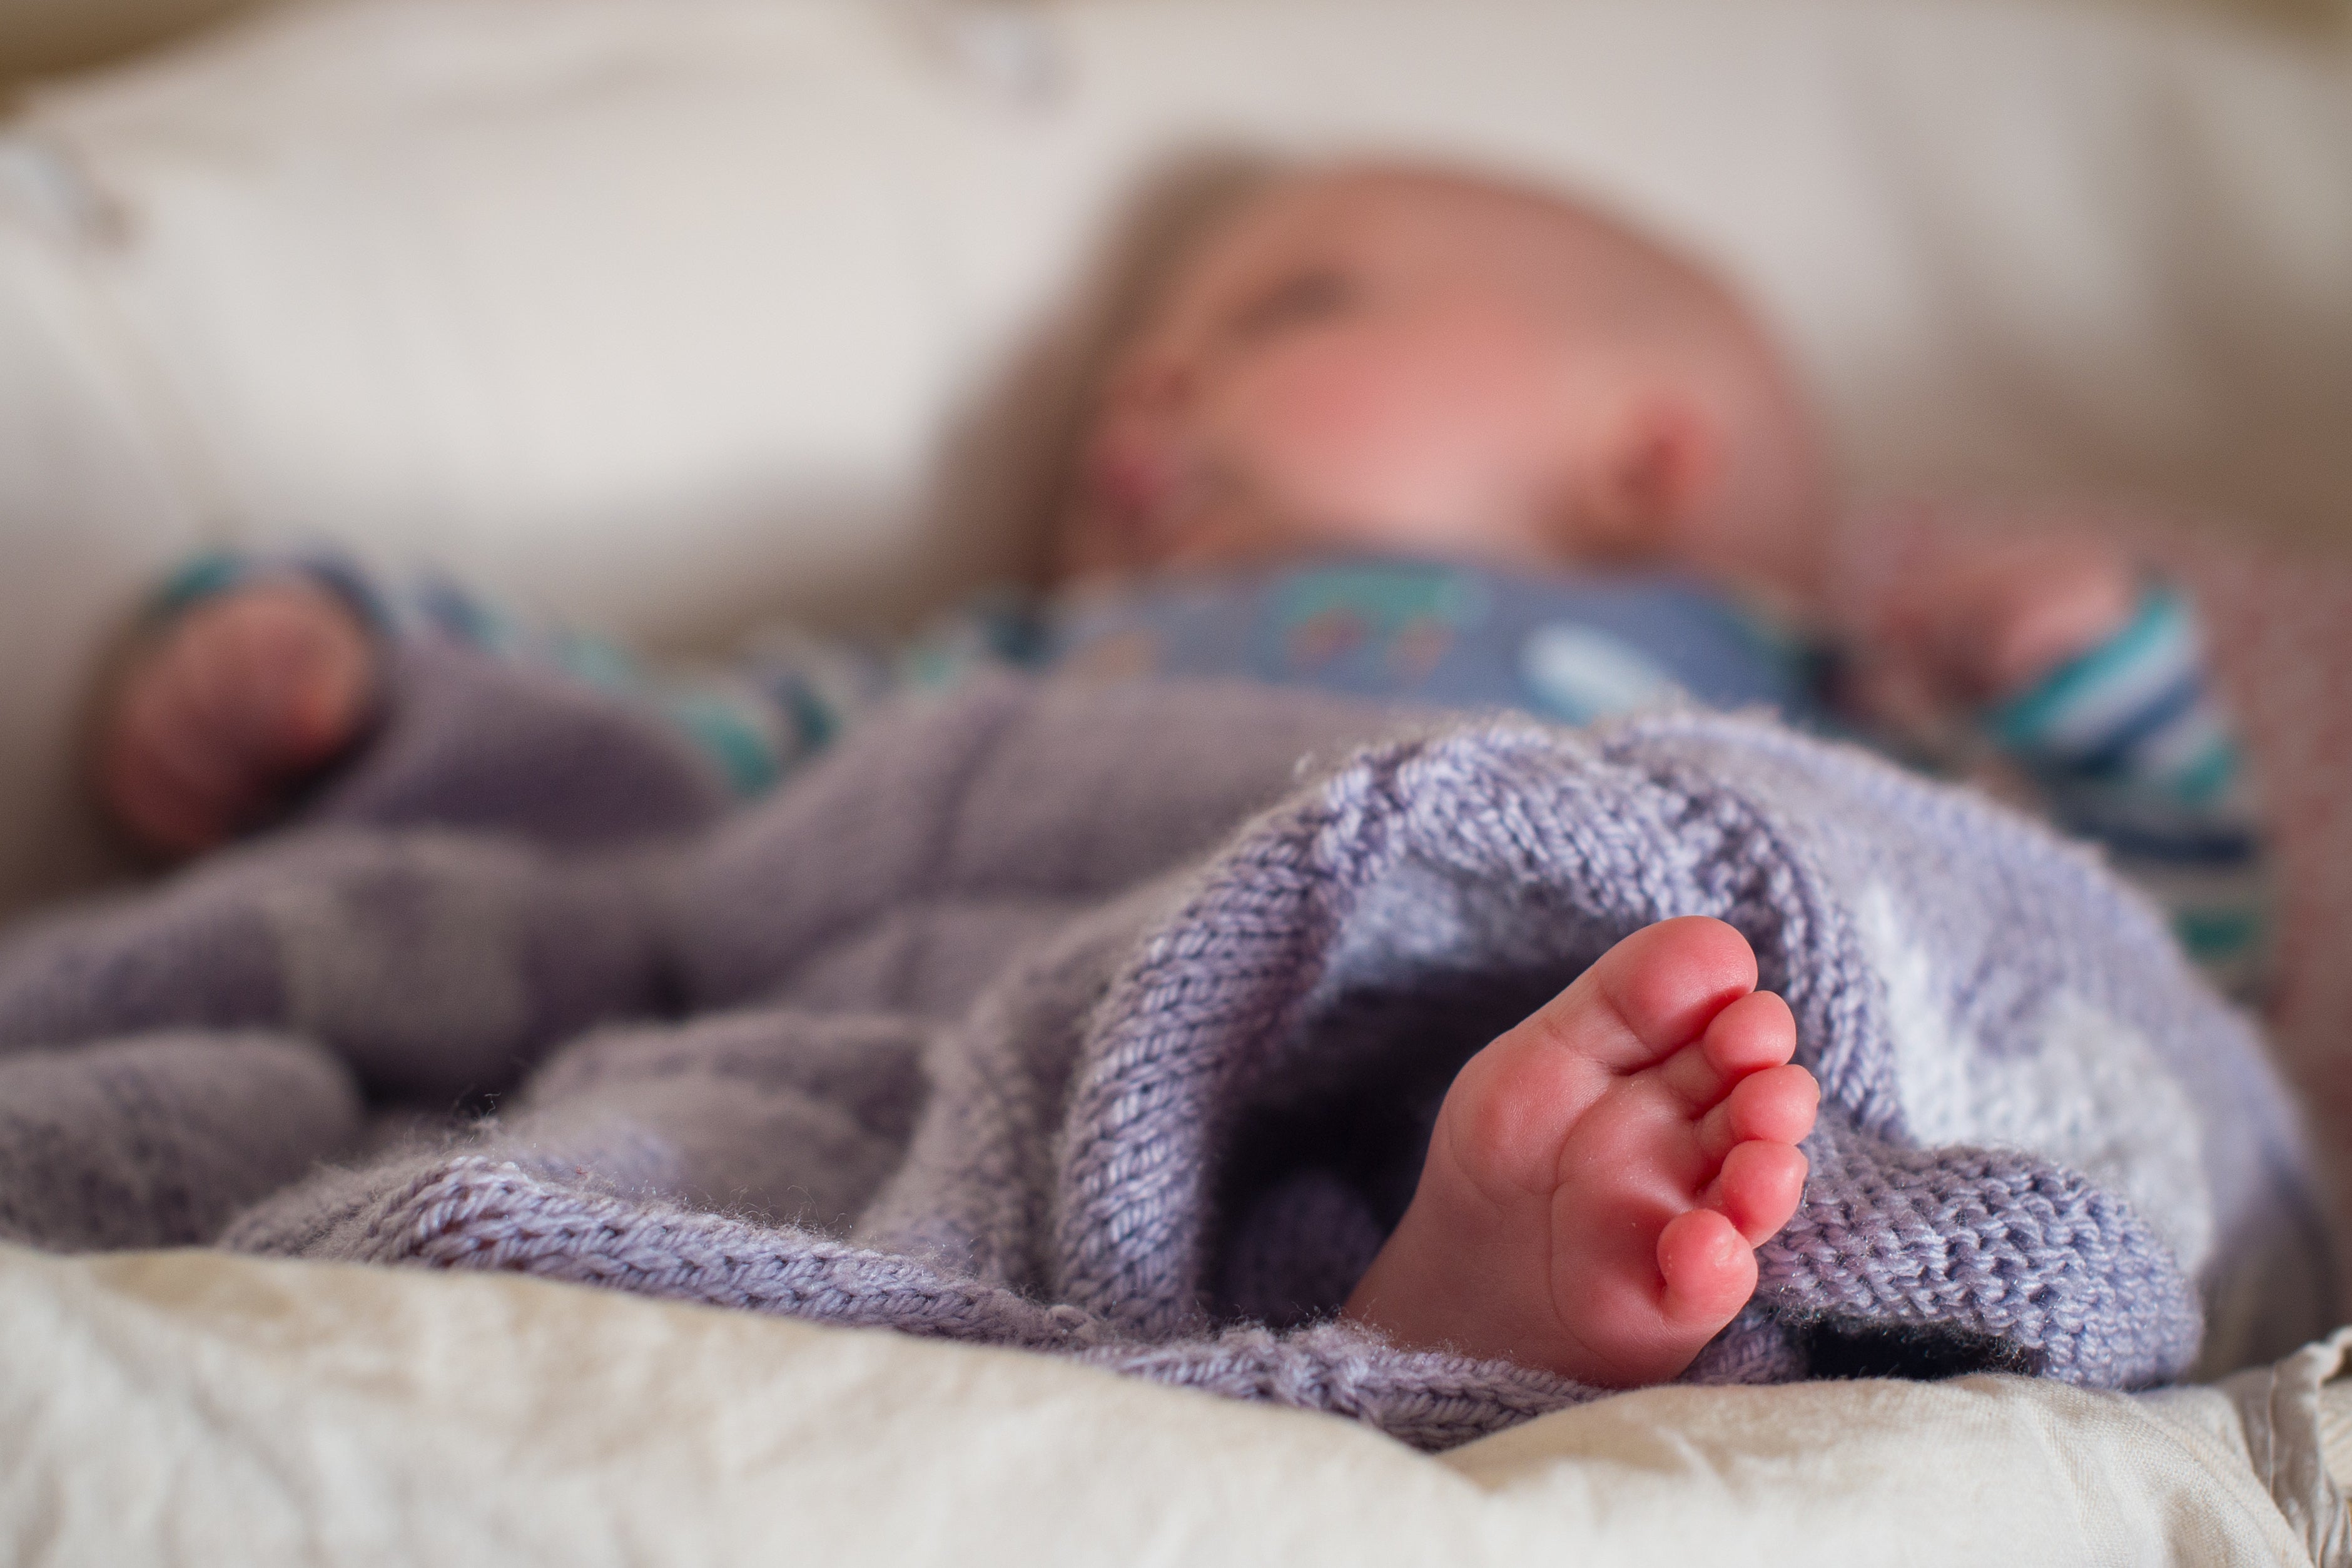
(2124, 746)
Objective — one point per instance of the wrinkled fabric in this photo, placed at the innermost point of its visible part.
(1108, 1021)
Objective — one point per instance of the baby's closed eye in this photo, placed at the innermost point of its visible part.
(1299, 298)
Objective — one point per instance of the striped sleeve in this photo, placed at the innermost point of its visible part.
(2132, 747)
(757, 717)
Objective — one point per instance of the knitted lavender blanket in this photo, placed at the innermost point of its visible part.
(1109, 1022)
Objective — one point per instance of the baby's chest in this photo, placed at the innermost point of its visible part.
(1570, 648)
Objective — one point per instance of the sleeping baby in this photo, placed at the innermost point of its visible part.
(1428, 438)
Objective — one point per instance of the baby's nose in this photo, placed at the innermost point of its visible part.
(1155, 387)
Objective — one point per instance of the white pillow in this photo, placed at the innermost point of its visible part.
(667, 317)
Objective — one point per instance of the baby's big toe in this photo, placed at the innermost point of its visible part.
(1669, 981)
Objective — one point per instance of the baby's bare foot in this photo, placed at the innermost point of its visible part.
(241, 699)
(1599, 1176)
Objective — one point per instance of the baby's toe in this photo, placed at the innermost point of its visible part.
(1758, 1188)
(1776, 1104)
(1663, 986)
(1709, 1268)
(1752, 1033)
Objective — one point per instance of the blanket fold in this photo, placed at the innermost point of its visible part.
(1111, 1021)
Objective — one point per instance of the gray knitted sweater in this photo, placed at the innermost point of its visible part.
(1108, 1021)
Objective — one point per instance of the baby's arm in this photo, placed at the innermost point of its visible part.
(1953, 621)
(226, 707)
(255, 677)
(2056, 645)
(2058, 656)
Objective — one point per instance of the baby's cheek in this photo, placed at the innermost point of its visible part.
(1370, 435)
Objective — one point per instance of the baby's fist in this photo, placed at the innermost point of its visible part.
(239, 700)
(1992, 620)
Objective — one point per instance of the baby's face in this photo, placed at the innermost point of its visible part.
(1410, 362)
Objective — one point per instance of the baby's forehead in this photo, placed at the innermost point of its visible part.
(1372, 207)
(1369, 215)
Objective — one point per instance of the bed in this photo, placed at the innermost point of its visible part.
(662, 318)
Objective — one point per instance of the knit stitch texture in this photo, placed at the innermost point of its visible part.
(1108, 1021)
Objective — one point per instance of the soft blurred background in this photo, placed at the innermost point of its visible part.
(45, 37)
(663, 316)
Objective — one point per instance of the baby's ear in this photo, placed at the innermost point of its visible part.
(1665, 464)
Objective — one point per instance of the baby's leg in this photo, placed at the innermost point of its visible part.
(1600, 1175)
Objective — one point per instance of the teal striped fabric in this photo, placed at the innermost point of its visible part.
(2132, 747)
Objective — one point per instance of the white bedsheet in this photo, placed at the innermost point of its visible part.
(189, 1407)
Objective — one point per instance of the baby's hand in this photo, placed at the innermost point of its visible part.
(236, 702)
(1990, 620)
